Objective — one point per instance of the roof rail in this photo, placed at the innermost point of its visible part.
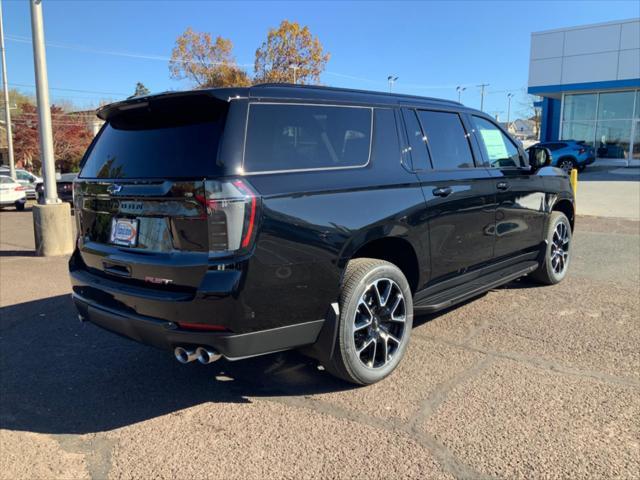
(354, 90)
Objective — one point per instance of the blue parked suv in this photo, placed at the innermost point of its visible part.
(570, 154)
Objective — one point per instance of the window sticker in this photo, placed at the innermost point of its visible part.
(493, 141)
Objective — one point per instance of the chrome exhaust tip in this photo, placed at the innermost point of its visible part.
(185, 356)
(207, 356)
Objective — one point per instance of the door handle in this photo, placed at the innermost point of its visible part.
(442, 192)
(503, 186)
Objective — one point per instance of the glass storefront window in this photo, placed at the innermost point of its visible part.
(584, 131)
(613, 138)
(635, 155)
(603, 120)
(615, 106)
(580, 107)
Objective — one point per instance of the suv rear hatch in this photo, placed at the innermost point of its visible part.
(151, 204)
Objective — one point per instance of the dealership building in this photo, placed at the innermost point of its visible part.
(589, 80)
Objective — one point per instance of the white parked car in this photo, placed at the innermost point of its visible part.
(12, 193)
(24, 178)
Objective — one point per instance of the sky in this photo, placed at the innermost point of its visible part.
(98, 50)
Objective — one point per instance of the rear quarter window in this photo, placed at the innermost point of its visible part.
(306, 137)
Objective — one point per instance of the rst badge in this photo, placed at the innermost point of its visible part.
(158, 281)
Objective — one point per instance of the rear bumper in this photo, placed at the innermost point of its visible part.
(167, 335)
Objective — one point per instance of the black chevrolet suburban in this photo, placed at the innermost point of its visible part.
(236, 222)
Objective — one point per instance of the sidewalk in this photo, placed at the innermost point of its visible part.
(609, 191)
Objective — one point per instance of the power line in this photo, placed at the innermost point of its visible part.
(20, 39)
(68, 89)
(80, 48)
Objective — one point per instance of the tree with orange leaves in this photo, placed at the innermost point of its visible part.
(71, 138)
(291, 54)
(207, 63)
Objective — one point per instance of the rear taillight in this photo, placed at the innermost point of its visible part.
(232, 212)
(20, 188)
(581, 151)
(76, 194)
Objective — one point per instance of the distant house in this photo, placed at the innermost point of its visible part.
(522, 129)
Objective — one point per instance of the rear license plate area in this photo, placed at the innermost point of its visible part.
(124, 232)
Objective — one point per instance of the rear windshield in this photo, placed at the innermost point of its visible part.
(158, 142)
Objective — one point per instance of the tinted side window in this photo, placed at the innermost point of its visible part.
(447, 140)
(419, 154)
(292, 137)
(497, 147)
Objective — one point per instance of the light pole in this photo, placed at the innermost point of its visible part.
(482, 87)
(7, 110)
(391, 79)
(460, 89)
(51, 221)
(509, 97)
(295, 72)
(44, 109)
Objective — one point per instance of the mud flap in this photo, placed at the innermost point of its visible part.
(324, 347)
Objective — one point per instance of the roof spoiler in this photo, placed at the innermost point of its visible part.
(107, 112)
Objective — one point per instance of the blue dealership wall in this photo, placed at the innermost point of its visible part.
(550, 120)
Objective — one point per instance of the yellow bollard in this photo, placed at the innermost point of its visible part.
(573, 178)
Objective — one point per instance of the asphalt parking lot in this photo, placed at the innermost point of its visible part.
(523, 382)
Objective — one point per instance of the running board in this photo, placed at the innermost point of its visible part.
(479, 285)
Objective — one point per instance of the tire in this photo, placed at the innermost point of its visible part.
(20, 206)
(370, 322)
(557, 256)
(567, 164)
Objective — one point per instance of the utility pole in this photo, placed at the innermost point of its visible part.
(509, 97)
(460, 89)
(391, 79)
(51, 221)
(295, 72)
(482, 87)
(7, 110)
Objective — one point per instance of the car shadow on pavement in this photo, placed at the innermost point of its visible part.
(61, 376)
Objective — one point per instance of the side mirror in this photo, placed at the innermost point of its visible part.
(539, 157)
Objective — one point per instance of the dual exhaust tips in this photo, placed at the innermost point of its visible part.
(203, 355)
